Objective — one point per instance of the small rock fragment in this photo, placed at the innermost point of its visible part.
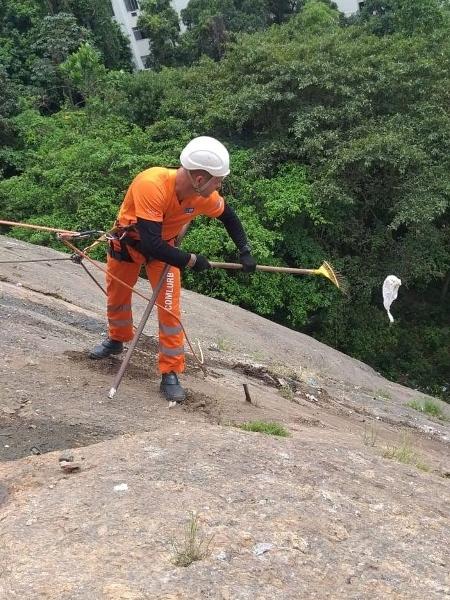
(66, 457)
(311, 397)
(69, 467)
(121, 487)
(260, 549)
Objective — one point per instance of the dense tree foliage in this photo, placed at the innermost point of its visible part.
(208, 26)
(36, 37)
(339, 132)
(160, 24)
(385, 17)
(95, 15)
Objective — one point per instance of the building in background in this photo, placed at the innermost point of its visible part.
(126, 13)
(349, 7)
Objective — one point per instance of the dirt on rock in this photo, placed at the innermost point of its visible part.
(352, 504)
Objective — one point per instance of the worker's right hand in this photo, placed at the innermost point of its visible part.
(201, 263)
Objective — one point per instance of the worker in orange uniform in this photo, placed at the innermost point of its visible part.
(157, 205)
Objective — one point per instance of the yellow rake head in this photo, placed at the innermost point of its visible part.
(326, 270)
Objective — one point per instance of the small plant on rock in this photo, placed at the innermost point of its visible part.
(194, 546)
(428, 407)
(263, 427)
(287, 392)
(223, 344)
(370, 435)
(383, 395)
(405, 453)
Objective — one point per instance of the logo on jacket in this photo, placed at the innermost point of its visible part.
(189, 210)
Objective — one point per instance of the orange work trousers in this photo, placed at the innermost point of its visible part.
(120, 317)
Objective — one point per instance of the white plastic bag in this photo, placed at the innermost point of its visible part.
(390, 292)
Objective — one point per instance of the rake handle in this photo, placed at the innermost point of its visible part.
(267, 268)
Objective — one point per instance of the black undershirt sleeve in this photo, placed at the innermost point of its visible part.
(234, 227)
(153, 246)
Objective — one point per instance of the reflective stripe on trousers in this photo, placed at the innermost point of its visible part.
(170, 330)
(178, 351)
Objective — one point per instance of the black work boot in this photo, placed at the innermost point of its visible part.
(171, 388)
(106, 348)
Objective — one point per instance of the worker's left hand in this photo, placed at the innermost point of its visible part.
(247, 261)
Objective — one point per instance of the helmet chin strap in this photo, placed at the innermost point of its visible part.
(198, 189)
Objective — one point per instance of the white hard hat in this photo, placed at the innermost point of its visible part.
(208, 154)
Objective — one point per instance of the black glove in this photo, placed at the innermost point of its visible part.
(201, 264)
(247, 260)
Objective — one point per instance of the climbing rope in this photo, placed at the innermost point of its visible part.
(9, 262)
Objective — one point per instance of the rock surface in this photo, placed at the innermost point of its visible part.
(323, 513)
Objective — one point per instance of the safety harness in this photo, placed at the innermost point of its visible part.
(120, 239)
(122, 252)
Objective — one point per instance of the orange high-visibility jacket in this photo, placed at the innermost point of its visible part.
(152, 196)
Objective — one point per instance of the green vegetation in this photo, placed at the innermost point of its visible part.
(370, 435)
(209, 26)
(429, 407)
(263, 427)
(194, 545)
(286, 392)
(405, 453)
(223, 344)
(338, 129)
(383, 394)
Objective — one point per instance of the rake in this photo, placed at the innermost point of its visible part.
(325, 270)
